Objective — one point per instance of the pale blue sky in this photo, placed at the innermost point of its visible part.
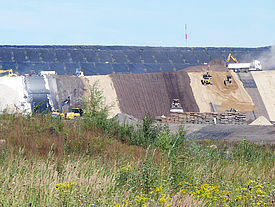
(211, 23)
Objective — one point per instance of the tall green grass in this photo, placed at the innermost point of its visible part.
(95, 161)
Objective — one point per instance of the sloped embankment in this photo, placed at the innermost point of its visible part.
(138, 94)
(62, 86)
(153, 92)
(108, 91)
(219, 97)
(265, 81)
(13, 95)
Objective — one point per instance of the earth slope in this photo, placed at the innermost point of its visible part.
(265, 83)
(153, 92)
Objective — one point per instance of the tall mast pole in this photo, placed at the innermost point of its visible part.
(186, 35)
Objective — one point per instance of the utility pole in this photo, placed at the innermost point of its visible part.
(186, 35)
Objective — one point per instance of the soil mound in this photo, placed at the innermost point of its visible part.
(215, 65)
(62, 86)
(106, 85)
(220, 97)
(139, 94)
(13, 96)
(265, 81)
(261, 121)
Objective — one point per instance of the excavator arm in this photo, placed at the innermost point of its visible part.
(66, 101)
(11, 74)
(232, 57)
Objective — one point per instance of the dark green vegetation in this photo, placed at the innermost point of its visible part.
(95, 161)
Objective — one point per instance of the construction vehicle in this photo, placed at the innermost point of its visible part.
(228, 80)
(79, 73)
(32, 73)
(207, 78)
(231, 57)
(59, 112)
(231, 110)
(11, 74)
(43, 72)
(176, 106)
(75, 113)
(255, 65)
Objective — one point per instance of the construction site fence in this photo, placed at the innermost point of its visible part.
(236, 118)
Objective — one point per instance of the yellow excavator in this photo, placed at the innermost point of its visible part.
(11, 74)
(207, 78)
(59, 112)
(74, 113)
(232, 57)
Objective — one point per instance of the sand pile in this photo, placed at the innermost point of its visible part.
(261, 120)
(265, 81)
(215, 65)
(224, 97)
(106, 85)
(13, 96)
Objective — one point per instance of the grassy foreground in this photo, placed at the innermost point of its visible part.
(94, 161)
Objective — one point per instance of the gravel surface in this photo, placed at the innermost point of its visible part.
(252, 133)
(256, 134)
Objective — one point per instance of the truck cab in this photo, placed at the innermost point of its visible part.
(255, 65)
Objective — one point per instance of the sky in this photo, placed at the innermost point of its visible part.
(210, 23)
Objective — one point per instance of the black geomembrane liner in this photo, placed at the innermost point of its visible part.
(99, 59)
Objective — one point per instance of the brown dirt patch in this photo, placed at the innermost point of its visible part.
(265, 81)
(106, 85)
(227, 97)
(62, 86)
(153, 92)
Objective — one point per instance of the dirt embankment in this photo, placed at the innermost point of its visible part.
(138, 94)
(62, 86)
(12, 95)
(222, 97)
(153, 92)
(106, 85)
(265, 81)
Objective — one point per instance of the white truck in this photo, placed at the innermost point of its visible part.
(47, 73)
(255, 65)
